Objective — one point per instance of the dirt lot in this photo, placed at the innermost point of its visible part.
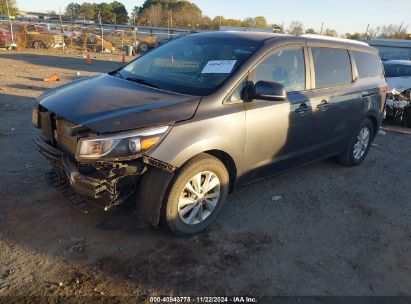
(335, 230)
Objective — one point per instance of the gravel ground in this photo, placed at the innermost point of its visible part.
(320, 230)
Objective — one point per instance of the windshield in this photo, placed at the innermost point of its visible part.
(397, 70)
(191, 65)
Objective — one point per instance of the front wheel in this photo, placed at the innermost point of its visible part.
(196, 195)
(359, 145)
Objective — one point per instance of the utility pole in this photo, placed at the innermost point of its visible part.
(168, 25)
(101, 27)
(62, 31)
(11, 25)
(366, 32)
(322, 25)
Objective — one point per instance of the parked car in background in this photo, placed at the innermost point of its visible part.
(58, 29)
(34, 36)
(140, 43)
(203, 115)
(39, 37)
(93, 42)
(398, 76)
(6, 40)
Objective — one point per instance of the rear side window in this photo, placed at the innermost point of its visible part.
(368, 64)
(332, 67)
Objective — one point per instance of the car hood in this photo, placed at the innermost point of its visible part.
(105, 103)
(398, 84)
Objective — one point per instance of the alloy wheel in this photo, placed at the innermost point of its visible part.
(361, 145)
(199, 198)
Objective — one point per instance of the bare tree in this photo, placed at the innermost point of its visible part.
(295, 28)
(153, 15)
(390, 31)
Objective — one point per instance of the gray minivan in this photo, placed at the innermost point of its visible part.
(182, 126)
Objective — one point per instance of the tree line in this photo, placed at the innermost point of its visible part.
(185, 14)
(111, 13)
(390, 31)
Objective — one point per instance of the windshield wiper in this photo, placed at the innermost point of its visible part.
(142, 81)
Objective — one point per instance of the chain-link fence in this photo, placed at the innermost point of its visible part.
(73, 38)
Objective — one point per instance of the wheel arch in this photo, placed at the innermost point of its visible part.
(150, 203)
(229, 163)
(374, 121)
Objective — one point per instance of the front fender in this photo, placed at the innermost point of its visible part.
(152, 189)
(225, 133)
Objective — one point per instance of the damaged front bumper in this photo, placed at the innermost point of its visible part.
(108, 184)
(398, 106)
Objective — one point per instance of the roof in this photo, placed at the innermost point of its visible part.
(336, 39)
(264, 37)
(251, 36)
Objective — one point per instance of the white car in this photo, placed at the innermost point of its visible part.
(398, 76)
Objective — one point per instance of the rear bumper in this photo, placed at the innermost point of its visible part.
(85, 185)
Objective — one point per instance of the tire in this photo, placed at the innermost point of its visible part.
(406, 118)
(143, 48)
(357, 149)
(181, 217)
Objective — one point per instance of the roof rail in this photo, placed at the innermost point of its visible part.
(333, 39)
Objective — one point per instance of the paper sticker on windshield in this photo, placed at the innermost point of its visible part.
(219, 67)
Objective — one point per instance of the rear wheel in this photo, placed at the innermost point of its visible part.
(196, 195)
(359, 145)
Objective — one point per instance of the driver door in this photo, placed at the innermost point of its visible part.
(278, 132)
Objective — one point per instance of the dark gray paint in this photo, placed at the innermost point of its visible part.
(109, 104)
(262, 137)
(265, 138)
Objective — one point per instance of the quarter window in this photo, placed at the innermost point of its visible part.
(285, 66)
(368, 64)
(236, 94)
(332, 67)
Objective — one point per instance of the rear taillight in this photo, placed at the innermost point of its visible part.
(386, 88)
(4, 34)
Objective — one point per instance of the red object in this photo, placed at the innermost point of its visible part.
(386, 88)
(5, 38)
(123, 60)
(88, 60)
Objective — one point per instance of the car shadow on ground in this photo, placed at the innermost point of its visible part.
(28, 87)
(69, 63)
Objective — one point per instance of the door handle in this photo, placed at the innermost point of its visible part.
(303, 108)
(323, 105)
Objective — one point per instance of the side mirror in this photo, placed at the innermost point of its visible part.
(267, 90)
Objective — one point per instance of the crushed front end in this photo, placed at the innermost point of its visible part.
(398, 106)
(105, 169)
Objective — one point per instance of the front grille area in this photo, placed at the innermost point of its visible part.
(65, 135)
(59, 132)
(46, 126)
(58, 179)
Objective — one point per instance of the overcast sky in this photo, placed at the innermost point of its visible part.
(343, 16)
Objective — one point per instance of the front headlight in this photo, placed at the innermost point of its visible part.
(123, 145)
